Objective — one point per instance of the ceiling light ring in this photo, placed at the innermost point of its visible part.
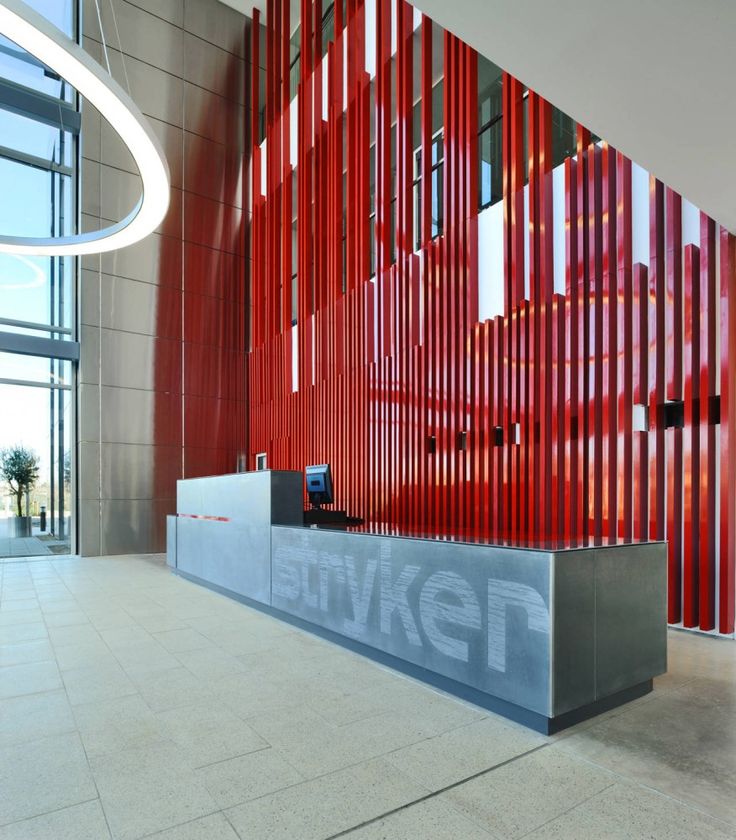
(39, 37)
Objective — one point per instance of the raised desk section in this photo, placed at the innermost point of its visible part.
(546, 635)
(221, 533)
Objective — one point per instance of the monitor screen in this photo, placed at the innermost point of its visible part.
(316, 483)
(319, 484)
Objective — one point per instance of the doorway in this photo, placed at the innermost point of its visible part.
(36, 459)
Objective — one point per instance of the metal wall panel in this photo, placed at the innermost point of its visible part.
(88, 485)
(212, 422)
(115, 153)
(135, 471)
(212, 272)
(170, 10)
(213, 223)
(206, 460)
(214, 69)
(155, 259)
(157, 93)
(211, 321)
(217, 175)
(136, 305)
(91, 131)
(131, 360)
(88, 371)
(88, 415)
(219, 24)
(138, 34)
(128, 415)
(120, 192)
(88, 516)
(89, 298)
(134, 526)
(90, 181)
(210, 115)
(212, 371)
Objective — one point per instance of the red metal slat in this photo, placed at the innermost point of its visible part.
(572, 409)
(657, 281)
(706, 391)
(673, 267)
(610, 343)
(595, 411)
(625, 345)
(691, 437)
(533, 358)
(583, 424)
(547, 315)
(727, 513)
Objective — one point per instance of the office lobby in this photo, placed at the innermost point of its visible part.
(367, 424)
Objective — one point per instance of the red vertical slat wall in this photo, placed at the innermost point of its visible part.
(674, 363)
(551, 421)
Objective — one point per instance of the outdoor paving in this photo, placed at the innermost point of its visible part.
(36, 546)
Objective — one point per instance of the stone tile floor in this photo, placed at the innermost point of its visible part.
(136, 704)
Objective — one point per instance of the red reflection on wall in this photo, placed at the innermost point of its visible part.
(204, 303)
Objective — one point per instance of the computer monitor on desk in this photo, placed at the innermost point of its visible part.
(319, 489)
(319, 485)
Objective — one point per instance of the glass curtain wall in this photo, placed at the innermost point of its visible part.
(39, 127)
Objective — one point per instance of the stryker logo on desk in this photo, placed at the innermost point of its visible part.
(395, 595)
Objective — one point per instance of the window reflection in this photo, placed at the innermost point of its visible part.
(564, 136)
(37, 158)
(490, 133)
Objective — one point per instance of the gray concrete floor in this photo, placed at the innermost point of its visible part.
(135, 704)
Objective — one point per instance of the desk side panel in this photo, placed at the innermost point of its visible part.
(232, 550)
(631, 615)
(573, 642)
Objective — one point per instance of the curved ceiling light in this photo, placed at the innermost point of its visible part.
(42, 39)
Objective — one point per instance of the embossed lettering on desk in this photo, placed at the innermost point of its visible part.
(394, 596)
(433, 611)
(360, 594)
(501, 595)
(444, 611)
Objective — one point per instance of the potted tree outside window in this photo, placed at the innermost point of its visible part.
(19, 470)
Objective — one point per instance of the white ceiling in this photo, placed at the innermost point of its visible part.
(239, 5)
(653, 77)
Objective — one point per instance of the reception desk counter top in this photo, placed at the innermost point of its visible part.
(543, 634)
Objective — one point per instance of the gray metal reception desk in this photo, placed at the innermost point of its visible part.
(546, 636)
